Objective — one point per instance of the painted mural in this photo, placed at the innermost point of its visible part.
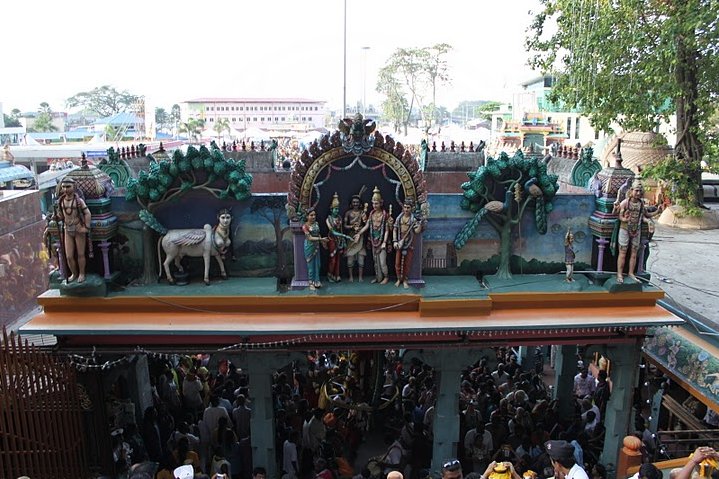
(685, 359)
(532, 253)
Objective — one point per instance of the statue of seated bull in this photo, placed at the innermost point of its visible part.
(206, 242)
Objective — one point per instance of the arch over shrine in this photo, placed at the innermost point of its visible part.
(322, 155)
(355, 161)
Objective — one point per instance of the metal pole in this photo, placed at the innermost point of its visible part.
(364, 82)
(344, 88)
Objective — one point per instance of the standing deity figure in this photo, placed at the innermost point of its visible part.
(379, 224)
(354, 221)
(313, 239)
(569, 255)
(337, 241)
(631, 215)
(75, 217)
(406, 226)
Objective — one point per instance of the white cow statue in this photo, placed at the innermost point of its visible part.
(204, 242)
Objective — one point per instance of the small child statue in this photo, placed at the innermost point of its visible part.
(569, 255)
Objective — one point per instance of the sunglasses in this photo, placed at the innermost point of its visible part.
(452, 464)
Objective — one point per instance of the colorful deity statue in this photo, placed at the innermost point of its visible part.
(355, 220)
(632, 213)
(569, 255)
(75, 217)
(337, 241)
(313, 240)
(379, 225)
(406, 226)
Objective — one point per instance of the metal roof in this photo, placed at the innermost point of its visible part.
(13, 172)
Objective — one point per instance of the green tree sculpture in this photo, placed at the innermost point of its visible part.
(197, 170)
(500, 193)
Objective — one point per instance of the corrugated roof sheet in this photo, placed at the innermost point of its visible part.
(16, 172)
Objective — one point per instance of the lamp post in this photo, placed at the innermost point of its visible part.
(344, 87)
(364, 80)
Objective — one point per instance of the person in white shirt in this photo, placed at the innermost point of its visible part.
(290, 462)
(500, 376)
(584, 384)
(561, 454)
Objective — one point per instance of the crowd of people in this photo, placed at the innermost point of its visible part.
(327, 407)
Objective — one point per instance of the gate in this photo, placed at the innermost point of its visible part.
(40, 416)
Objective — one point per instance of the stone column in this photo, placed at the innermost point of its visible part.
(625, 361)
(105, 248)
(602, 242)
(299, 280)
(139, 384)
(565, 368)
(448, 363)
(260, 366)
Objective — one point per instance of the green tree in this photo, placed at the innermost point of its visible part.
(162, 119)
(175, 116)
(193, 128)
(636, 63)
(104, 101)
(43, 120)
(395, 107)
(411, 77)
(221, 124)
(499, 193)
(11, 121)
(272, 209)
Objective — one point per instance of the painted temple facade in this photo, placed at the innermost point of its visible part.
(265, 315)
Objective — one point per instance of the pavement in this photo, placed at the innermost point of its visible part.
(685, 264)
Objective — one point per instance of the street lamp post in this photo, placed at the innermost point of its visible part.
(344, 88)
(364, 80)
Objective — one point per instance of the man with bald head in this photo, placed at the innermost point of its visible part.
(395, 475)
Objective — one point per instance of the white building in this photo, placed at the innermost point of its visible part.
(284, 114)
(532, 99)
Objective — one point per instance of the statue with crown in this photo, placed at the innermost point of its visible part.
(628, 230)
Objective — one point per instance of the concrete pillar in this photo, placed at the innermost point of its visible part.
(260, 366)
(448, 365)
(138, 381)
(262, 422)
(525, 358)
(565, 368)
(625, 362)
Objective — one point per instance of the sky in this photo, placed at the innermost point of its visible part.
(173, 51)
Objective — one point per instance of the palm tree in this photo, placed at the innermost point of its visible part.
(193, 127)
(222, 124)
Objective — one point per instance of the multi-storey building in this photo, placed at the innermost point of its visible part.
(533, 101)
(298, 114)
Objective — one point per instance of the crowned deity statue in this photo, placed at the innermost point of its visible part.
(354, 223)
(313, 241)
(75, 217)
(632, 213)
(406, 226)
(337, 241)
(379, 225)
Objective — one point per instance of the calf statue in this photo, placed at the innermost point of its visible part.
(209, 241)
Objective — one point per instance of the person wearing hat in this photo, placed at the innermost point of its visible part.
(452, 469)
(561, 454)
